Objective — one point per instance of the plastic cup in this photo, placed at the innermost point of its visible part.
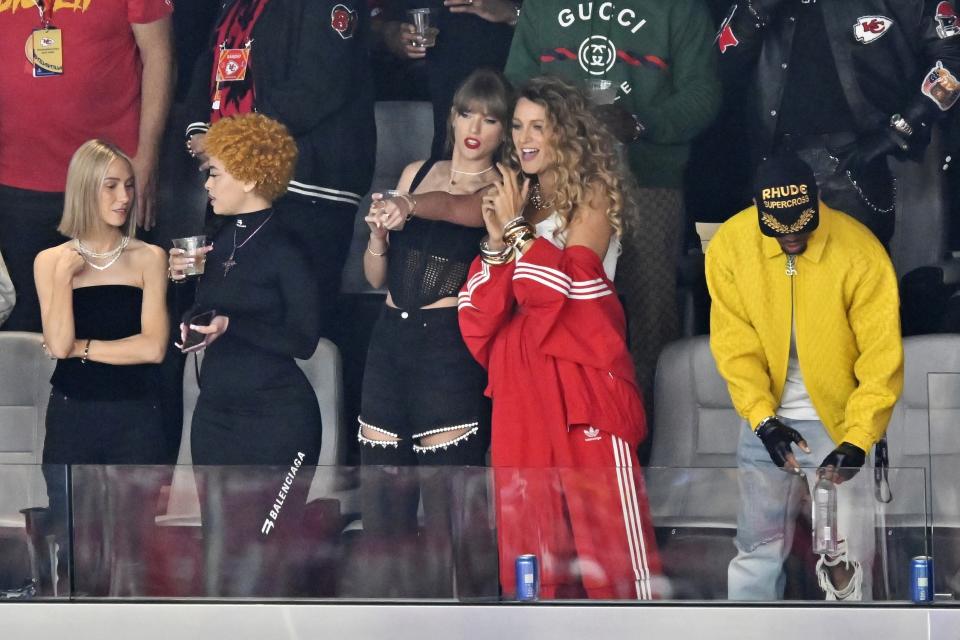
(425, 35)
(601, 91)
(190, 245)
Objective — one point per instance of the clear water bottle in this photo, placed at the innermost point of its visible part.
(825, 516)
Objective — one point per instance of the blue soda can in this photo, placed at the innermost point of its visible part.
(921, 579)
(528, 578)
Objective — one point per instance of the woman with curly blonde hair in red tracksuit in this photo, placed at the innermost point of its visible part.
(540, 312)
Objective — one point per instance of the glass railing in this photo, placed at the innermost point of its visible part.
(943, 391)
(450, 534)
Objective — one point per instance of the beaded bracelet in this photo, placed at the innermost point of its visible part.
(86, 351)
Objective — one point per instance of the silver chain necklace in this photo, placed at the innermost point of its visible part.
(111, 256)
(230, 263)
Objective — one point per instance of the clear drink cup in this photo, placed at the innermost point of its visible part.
(190, 245)
(425, 35)
(600, 91)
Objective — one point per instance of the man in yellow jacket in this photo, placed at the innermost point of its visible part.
(805, 330)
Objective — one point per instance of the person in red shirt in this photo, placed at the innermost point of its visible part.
(540, 312)
(101, 69)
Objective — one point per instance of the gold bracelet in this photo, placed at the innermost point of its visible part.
(522, 238)
(86, 351)
(515, 224)
(516, 231)
(495, 257)
(498, 259)
(374, 253)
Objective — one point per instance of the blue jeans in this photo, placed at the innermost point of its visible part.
(770, 500)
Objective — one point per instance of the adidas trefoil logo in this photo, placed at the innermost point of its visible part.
(591, 433)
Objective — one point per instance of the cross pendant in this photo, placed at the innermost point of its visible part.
(228, 264)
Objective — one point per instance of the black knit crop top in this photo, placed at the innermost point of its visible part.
(429, 259)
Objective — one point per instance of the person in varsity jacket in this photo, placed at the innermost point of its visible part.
(659, 58)
(302, 63)
(846, 85)
(540, 313)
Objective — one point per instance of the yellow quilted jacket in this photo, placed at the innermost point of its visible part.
(845, 298)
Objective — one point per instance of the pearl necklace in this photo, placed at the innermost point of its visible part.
(466, 173)
(111, 256)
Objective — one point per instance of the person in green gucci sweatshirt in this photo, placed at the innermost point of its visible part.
(650, 68)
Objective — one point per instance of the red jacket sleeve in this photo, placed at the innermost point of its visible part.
(485, 305)
(577, 319)
(579, 316)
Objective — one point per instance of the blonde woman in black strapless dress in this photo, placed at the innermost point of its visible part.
(103, 306)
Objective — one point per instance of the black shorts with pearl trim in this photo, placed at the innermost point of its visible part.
(421, 380)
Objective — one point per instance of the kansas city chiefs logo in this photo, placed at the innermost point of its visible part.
(946, 18)
(725, 37)
(343, 21)
(871, 28)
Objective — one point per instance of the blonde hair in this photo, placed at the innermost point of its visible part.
(254, 148)
(586, 156)
(85, 175)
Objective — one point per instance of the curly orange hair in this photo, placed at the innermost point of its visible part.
(254, 148)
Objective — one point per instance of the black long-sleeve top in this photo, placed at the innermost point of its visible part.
(271, 298)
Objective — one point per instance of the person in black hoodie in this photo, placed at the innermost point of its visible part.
(302, 63)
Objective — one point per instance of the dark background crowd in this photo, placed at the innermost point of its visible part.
(715, 160)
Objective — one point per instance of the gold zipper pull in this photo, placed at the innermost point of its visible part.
(791, 265)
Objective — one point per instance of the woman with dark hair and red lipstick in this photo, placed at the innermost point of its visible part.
(540, 312)
(422, 401)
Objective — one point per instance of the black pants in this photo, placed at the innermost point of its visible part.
(324, 228)
(257, 452)
(28, 225)
(420, 380)
(111, 509)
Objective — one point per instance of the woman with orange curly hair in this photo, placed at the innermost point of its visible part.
(260, 298)
(540, 312)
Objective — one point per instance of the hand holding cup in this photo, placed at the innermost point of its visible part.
(187, 257)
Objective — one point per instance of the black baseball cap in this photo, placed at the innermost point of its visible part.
(786, 195)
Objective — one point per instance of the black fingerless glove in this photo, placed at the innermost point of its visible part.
(846, 460)
(777, 438)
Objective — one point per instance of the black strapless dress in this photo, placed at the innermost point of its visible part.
(102, 413)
